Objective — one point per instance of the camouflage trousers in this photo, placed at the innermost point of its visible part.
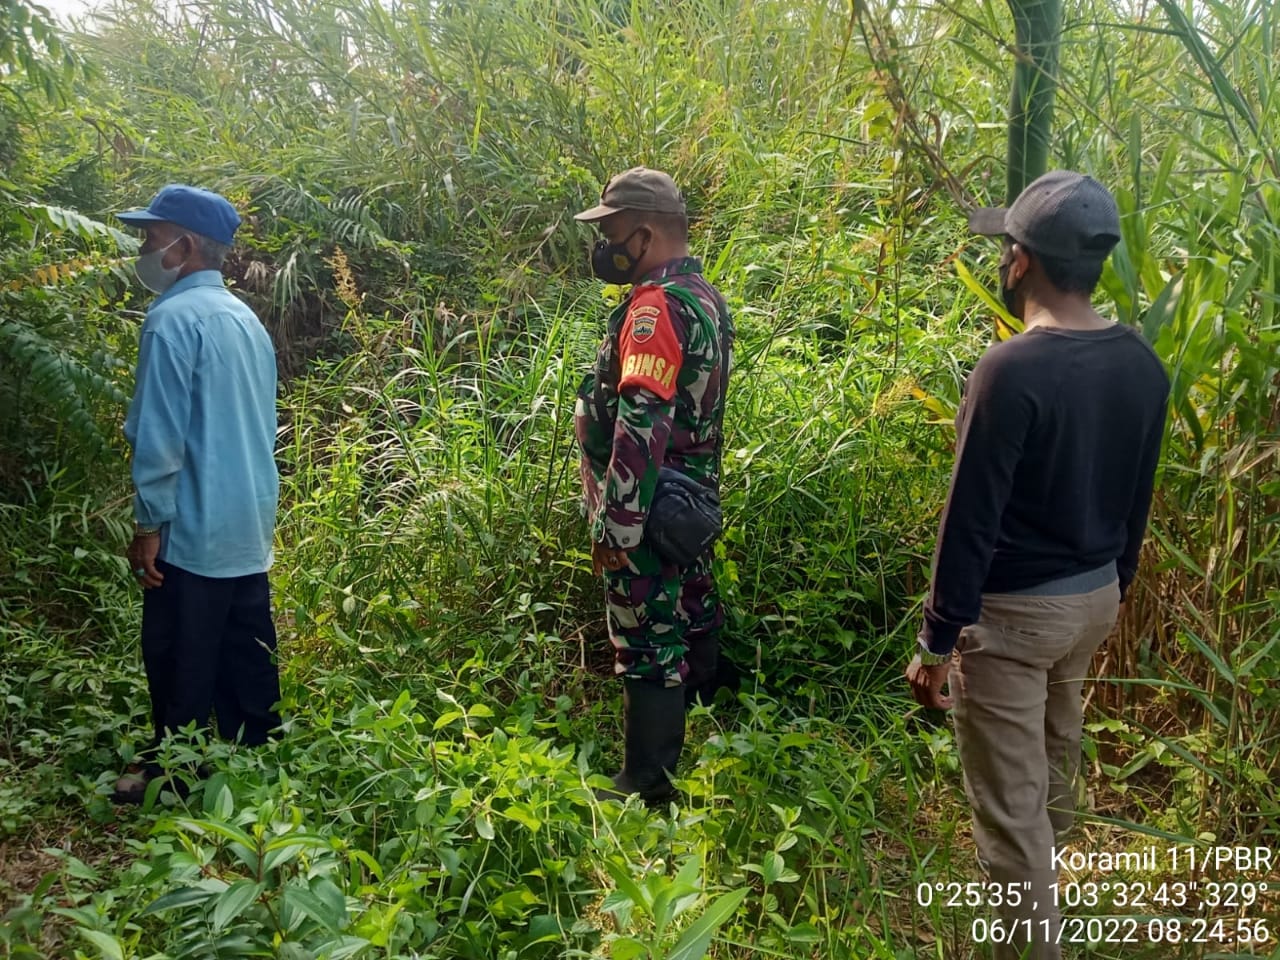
(664, 621)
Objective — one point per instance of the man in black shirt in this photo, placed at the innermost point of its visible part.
(1057, 441)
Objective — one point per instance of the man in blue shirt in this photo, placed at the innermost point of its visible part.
(202, 427)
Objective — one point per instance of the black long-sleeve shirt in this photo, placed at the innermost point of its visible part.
(1057, 442)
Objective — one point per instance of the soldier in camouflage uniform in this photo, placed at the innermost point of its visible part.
(655, 398)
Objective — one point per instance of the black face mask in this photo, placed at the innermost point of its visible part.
(1008, 294)
(612, 263)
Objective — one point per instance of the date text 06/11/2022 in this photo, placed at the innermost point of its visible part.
(1137, 930)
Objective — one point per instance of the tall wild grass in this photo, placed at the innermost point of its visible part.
(407, 172)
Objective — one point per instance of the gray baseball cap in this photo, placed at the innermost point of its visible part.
(1065, 215)
(640, 188)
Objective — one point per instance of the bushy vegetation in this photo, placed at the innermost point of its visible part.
(406, 172)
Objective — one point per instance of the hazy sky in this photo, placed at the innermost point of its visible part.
(65, 8)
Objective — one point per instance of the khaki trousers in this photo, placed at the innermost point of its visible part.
(1017, 684)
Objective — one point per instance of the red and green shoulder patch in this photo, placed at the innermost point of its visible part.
(649, 349)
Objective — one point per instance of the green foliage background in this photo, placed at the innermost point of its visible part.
(406, 172)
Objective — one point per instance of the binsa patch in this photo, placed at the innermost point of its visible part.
(649, 349)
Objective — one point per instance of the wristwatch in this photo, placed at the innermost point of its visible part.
(929, 658)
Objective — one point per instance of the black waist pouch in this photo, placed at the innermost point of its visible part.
(684, 520)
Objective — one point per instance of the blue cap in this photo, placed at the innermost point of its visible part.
(200, 211)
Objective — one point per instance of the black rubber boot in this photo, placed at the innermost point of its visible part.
(709, 670)
(653, 736)
(702, 656)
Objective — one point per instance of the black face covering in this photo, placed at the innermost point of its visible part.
(1008, 294)
(611, 262)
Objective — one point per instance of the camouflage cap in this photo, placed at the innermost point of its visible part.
(640, 188)
(1062, 214)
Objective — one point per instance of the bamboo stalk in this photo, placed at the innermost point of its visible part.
(1038, 35)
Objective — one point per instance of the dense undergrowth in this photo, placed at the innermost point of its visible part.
(407, 174)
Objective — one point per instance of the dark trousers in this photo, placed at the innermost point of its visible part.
(208, 645)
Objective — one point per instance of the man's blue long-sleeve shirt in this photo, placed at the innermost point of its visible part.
(202, 426)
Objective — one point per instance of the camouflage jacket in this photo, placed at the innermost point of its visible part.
(653, 399)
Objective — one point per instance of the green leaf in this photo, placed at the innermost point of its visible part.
(695, 941)
(318, 910)
(544, 927)
(80, 870)
(281, 855)
(1209, 653)
(224, 804)
(212, 792)
(513, 903)
(369, 862)
(483, 827)
(224, 830)
(44, 886)
(627, 948)
(107, 945)
(1162, 310)
(521, 813)
(772, 867)
(687, 876)
(333, 898)
(616, 900)
(63, 220)
(234, 901)
(628, 887)
(803, 933)
(285, 849)
(775, 869)
(184, 897)
(1003, 316)
(446, 718)
(341, 948)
